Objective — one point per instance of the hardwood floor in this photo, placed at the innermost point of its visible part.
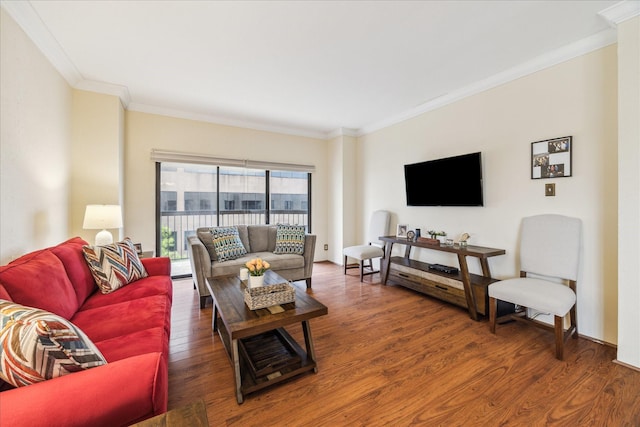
(390, 356)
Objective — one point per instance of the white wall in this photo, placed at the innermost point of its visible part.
(629, 191)
(97, 157)
(575, 98)
(343, 202)
(144, 132)
(35, 138)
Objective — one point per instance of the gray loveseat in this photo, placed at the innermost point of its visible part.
(259, 241)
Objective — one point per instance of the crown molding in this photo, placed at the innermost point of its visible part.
(343, 132)
(121, 92)
(573, 50)
(27, 18)
(620, 12)
(23, 13)
(226, 121)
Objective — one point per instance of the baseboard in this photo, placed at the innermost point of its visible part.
(626, 365)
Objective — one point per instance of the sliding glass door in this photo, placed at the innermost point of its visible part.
(191, 196)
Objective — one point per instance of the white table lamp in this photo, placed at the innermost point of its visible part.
(101, 217)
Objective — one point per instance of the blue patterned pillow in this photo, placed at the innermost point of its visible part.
(227, 243)
(290, 239)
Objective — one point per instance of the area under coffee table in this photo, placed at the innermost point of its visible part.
(239, 322)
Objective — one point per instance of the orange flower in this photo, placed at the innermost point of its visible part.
(257, 266)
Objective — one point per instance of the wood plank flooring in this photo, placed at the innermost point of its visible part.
(390, 356)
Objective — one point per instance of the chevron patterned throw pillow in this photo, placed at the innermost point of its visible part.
(114, 265)
(36, 345)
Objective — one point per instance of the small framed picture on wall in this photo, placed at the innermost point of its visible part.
(551, 158)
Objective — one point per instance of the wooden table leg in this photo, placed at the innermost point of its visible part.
(214, 321)
(485, 267)
(468, 291)
(236, 369)
(308, 342)
(386, 263)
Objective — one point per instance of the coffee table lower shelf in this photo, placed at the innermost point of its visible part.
(297, 363)
(250, 382)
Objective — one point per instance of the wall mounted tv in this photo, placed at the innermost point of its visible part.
(451, 181)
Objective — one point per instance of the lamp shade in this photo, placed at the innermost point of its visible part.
(99, 217)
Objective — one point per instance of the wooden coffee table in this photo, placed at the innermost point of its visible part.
(240, 327)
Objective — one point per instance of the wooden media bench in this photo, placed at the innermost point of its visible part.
(461, 288)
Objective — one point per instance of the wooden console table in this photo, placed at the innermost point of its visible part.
(417, 275)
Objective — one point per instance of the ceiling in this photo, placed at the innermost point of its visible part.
(311, 68)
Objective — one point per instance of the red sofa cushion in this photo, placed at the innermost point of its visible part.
(120, 319)
(140, 342)
(4, 294)
(70, 253)
(40, 280)
(152, 285)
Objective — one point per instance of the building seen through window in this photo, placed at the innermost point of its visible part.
(194, 196)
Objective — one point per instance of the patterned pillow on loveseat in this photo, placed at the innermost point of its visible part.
(227, 243)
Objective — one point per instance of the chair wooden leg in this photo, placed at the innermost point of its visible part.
(362, 270)
(574, 321)
(203, 301)
(345, 264)
(308, 280)
(559, 332)
(493, 314)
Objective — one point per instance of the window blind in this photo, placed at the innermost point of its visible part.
(206, 159)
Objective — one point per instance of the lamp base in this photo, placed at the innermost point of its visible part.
(104, 237)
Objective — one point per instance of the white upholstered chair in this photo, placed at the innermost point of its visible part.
(549, 257)
(378, 226)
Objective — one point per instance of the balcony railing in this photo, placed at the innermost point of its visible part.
(176, 226)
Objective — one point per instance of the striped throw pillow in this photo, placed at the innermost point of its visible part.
(290, 239)
(36, 345)
(227, 243)
(115, 265)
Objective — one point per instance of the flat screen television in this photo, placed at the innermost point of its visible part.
(450, 181)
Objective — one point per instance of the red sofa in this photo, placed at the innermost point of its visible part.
(129, 326)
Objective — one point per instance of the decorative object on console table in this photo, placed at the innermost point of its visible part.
(411, 235)
(102, 217)
(463, 240)
(429, 241)
(434, 237)
(401, 232)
